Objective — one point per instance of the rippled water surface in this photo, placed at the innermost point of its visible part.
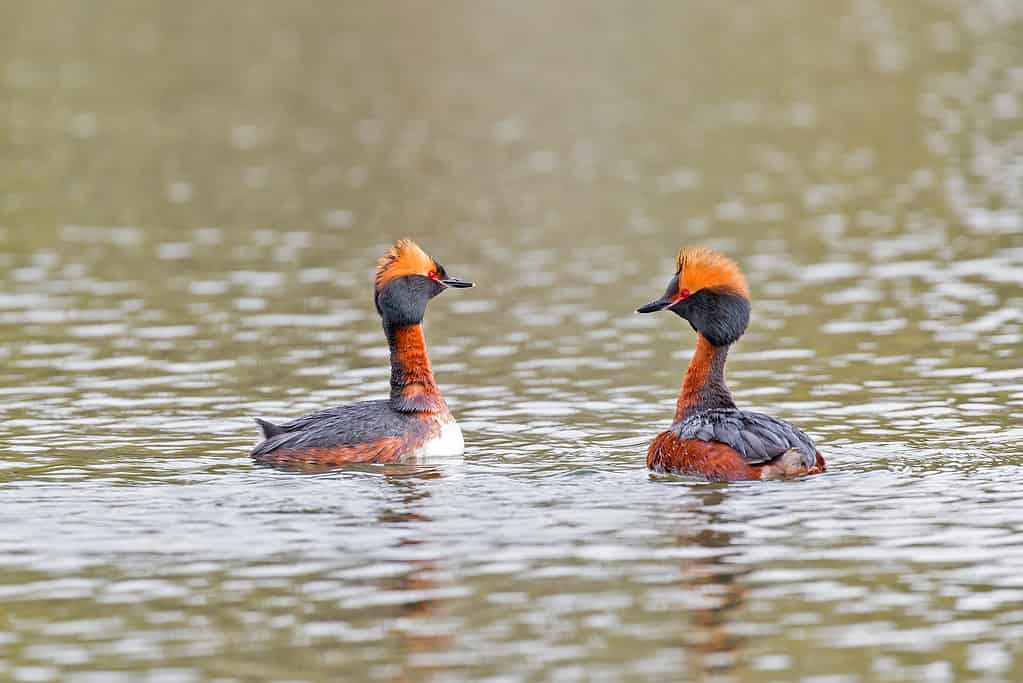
(192, 197)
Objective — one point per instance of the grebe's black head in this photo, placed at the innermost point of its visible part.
(709, 291)
(406, 280)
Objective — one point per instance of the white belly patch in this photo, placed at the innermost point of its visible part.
(448, 443)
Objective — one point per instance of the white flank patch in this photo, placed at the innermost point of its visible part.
(446, 444)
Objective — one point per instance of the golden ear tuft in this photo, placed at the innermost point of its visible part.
(680, 260)
(405, 257)
(701, 267)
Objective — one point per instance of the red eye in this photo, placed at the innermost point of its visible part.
(432, 275)
(684, 294)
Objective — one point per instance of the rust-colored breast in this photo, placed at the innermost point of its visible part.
(709, 459)
(720, 462)
(387, 450)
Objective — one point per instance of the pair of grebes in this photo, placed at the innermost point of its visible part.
(710, 437)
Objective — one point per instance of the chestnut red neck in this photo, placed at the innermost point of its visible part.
(704, 387)
(413, 388)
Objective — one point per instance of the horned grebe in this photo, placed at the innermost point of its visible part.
(415, 422)
(710, 437)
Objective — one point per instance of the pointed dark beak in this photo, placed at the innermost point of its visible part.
(658, 305)
(457, 283)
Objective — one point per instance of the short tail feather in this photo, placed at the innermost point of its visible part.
(269, 428)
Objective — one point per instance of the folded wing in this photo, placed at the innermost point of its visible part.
(758, 438)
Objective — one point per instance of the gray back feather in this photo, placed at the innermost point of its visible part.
(758, 438)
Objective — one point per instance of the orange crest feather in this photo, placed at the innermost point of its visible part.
(405, 257)
(701, 267)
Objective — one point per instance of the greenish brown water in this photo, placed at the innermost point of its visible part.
(192, 197)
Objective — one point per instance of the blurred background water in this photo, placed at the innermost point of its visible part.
(192, 197)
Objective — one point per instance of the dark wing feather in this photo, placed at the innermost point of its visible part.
(354, 424)
(758, 438)
(269, 428)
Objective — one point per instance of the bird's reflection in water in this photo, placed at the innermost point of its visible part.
(417, 623)
(408, 599)
(389, 470)
(712, 646)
